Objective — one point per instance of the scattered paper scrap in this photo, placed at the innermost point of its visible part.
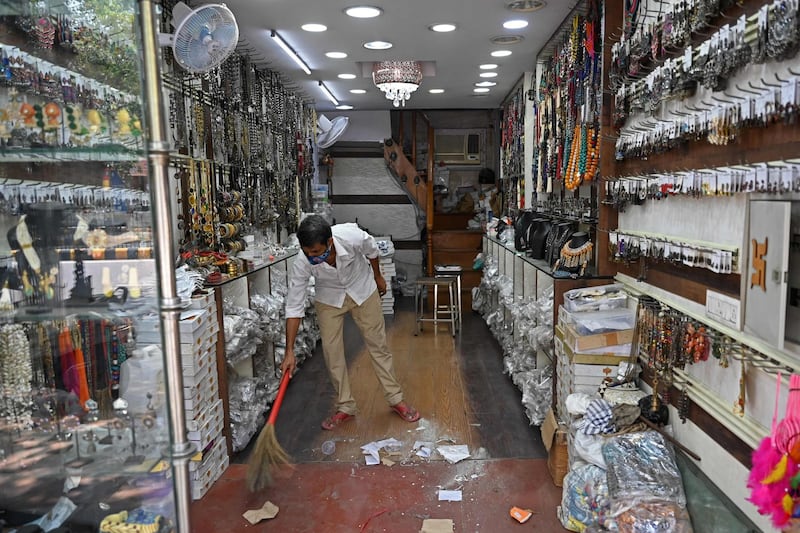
(267, 511)
(386, 461)
(454, 453)
(520, 515)
(72, 482)
(424, 449)
(437, 525)
(449, 495)
(372, 450)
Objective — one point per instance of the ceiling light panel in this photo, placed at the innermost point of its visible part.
(480, 90)
(436, 91)
(336, 55)
(503, 40)
(516, 24)
(488, 74)
(328, 93)
(347, 76)
(344, 107)
(485, 84)
(378, 45)
(488, 66)
(525, 6)
(363, 12)
(358, 91)
(290, 51)
(442, 28)
(501, 53)
(316, 28)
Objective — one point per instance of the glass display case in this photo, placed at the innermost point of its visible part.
(85, 431)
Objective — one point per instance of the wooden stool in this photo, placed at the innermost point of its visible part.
(422, 284)
(454, 271)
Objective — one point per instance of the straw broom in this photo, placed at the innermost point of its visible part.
(268, 453)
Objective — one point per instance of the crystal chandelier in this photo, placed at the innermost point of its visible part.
(397, 79)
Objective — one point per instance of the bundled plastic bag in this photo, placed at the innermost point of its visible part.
(584, 501)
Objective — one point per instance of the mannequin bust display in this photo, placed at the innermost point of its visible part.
(34, 239)
(538, 239)
(576, 254)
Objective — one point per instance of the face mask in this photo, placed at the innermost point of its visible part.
(319, 259)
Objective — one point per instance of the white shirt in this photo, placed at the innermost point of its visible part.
(352, 275)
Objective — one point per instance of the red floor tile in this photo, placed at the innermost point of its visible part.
(346, 497)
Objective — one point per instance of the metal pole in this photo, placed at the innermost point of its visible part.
(158, 155)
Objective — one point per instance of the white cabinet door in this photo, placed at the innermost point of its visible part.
(767, 270)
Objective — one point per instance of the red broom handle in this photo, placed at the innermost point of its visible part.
(276, 405)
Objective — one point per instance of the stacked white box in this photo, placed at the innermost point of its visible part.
(388, 271)
(202, 404)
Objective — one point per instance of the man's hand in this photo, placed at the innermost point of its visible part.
(289, 364)
(381, 284)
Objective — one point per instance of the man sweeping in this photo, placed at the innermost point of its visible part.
(343, 259)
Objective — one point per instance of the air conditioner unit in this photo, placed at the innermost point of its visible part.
(458, 148)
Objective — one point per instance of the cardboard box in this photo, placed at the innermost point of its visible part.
(605, 355)
(580, 343)
(554, 436)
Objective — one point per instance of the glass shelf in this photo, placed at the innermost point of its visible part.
(107, 154)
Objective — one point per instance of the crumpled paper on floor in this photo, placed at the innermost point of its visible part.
(437, 525)
(372, 450)
(267, 511)
(455, 453)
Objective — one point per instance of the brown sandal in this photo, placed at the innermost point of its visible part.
(406, 412)
(335, 420)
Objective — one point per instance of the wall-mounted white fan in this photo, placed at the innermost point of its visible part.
(330, 130)
(203, 38)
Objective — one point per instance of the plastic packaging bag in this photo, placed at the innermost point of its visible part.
(642, 468)
(584, 500)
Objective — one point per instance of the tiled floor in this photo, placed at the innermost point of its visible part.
(342, 497)
(464, 398)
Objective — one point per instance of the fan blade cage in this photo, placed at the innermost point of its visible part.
(205, 38)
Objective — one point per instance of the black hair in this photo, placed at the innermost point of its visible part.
(314, 230)
(486, 176)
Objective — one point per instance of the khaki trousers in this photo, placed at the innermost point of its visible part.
(369, 318)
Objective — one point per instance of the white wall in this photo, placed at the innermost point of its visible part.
(364, 125)
(369, 176)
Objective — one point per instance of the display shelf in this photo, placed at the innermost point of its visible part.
(238, 290)
(70, 155)
(85, 388)
(781, 359)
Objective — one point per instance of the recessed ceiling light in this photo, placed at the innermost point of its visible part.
(488, 66)
(358, 91)
(502, 40)
(336, 55)
(480, 90)
(488, 74)
(501, 53)
(442, 28)
(517, 24)
(525, 6)
(314, 27)
(363, 12)
(436, 91)
(347, 76)
(378, 45)
(485, 84)
(344, 107)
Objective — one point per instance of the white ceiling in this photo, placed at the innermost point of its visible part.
(455, 55)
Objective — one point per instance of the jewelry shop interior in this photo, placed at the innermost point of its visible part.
(611, 203)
